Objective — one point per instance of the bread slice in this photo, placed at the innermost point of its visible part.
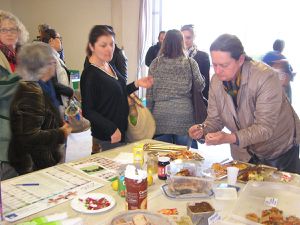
(122, 222)
(140, 219)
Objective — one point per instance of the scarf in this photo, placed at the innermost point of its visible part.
(232, 87)
(9, 53)
(192, 51)
(50, 91)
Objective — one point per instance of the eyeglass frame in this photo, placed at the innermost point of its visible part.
(13, 30)
(59, 37)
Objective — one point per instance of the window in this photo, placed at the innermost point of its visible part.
(257, 23)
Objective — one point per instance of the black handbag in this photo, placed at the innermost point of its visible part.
(199, 102)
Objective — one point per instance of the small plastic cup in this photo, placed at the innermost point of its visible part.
(232, 173)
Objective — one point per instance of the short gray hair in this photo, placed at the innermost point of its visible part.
(33, 60)
(23, 33)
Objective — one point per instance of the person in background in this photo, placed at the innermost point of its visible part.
(278, 45)
(38, 133)
(104, 92)
(277, 61)
(13, 34)
(201, 57)
(246, 97)
(153, 51)
(41, 30)
(61, 80)
(276, 54)
(119, 60)
(170, 98)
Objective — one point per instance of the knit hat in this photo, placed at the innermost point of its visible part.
(270, 57)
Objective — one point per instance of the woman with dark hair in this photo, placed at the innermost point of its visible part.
(119, 60)
(61, 81)
(170, 97)
(104, 92)
(201, 57)
(246, 97)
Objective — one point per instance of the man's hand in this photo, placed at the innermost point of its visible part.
(196, 132)
(219, 138)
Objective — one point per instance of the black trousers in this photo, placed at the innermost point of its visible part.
(288, 161)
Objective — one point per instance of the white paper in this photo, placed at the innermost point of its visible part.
(124, 158)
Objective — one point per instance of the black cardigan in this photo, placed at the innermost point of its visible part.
(104, 102)
(202, 59)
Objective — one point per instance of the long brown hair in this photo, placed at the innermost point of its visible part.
(172, 46)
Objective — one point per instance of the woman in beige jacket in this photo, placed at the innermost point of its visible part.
(246, 97)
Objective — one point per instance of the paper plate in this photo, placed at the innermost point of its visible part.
(78, 203)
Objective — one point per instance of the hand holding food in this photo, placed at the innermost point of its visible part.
(219, 137)
(196, 132)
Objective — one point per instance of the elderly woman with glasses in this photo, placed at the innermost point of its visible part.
(12, 35)
(38, 133)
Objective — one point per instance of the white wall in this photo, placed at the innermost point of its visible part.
(73, 19)
(5, 5)
(130, 21)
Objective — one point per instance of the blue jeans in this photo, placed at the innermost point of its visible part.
(175, 139)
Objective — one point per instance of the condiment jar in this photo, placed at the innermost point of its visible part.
(162, 163)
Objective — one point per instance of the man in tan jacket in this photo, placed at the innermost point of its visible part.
(246, 97)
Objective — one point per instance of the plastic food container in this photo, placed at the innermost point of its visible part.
(253, 200)
(179, 185)
(178, 166)
(199, 212)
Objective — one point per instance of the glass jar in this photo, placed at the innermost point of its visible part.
(152, 163)
(162, 163)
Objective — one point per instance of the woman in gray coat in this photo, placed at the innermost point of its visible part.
(169, 99)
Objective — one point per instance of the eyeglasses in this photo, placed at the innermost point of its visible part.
(60, 38)
(9, 30)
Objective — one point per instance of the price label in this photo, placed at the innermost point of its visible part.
(213, 218)
(272, 202)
